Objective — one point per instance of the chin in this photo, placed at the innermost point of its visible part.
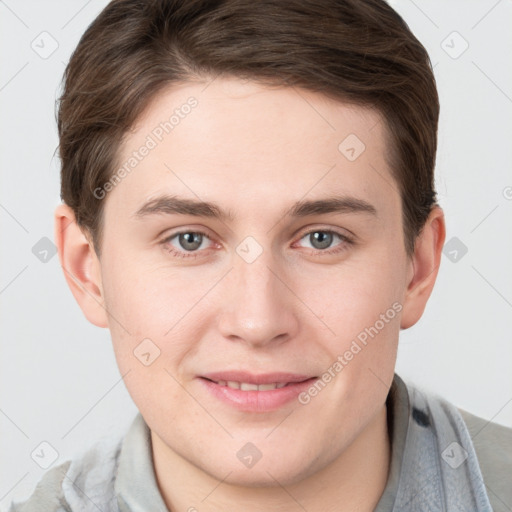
(274, 472)
(261, 479)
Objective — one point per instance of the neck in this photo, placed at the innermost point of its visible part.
(353, 481)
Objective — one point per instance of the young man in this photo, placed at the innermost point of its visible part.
(249, 208)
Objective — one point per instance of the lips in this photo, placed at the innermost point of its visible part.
(255, 393)
(249, 378)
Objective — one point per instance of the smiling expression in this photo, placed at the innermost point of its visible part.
(250, 246)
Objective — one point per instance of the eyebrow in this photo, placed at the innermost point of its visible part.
(173, 205)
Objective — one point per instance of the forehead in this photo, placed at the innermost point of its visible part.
(239, 142)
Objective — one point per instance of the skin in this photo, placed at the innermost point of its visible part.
(254, 151)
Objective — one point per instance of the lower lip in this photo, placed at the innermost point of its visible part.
(257, 401)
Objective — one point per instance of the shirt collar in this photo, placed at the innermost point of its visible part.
(398, 407)
(136, 486)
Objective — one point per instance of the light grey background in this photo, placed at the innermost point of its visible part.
(59, 380)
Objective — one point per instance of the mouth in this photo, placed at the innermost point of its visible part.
(256, 393)
(247, 386)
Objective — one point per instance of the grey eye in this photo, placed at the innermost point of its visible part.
(190, 241)
(321, 239)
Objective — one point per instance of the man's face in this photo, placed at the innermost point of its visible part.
(272, 287)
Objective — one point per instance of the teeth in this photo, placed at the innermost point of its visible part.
(245, 386)
(248, 387)
(267, 387)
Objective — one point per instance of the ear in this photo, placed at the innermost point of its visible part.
(424, 265)
(80, 265)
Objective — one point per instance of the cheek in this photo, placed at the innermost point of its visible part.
(151, 299)
(148, 318)
(351, 297)
(360, 303)
(143, 309)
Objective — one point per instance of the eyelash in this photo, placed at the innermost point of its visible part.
(342, 246)
(182, 254)
(318, 252)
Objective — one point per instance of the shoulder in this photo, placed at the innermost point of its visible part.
(493, 447)
(79, 484)
(48, 496)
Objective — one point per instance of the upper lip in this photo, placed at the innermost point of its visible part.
(251, 378)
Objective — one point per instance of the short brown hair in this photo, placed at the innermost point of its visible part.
(356, 51)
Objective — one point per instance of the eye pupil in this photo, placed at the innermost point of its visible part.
(190, 241)
(320, 239)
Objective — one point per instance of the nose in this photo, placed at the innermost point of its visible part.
(258, 305)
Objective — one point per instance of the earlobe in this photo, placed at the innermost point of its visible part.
(425, 266)
(80, 265)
